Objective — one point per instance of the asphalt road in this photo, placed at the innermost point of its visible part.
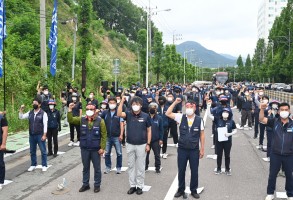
(248, 180)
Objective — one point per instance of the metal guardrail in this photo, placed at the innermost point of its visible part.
(280, 96)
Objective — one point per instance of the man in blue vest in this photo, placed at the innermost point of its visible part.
(92, 144)
(191, 134)
(76, 112)
(157, 136)
(3, 139)
(138, 140)
(282, 148)
(38, 123)
(115, 129)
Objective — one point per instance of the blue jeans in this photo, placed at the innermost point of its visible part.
(191, 155)
(34, 141)
(87, 156)
(2, 167)
(275, 165)
(113, 141)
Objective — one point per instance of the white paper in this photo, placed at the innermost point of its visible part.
(146, 188)
(214, 157)
(281, 195)
(221, 134)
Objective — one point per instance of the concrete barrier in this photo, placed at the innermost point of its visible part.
(280, 96)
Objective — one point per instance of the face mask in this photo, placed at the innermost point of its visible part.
(225, 115)
(91, 96)
(46, 92)
(112, 106)
(51, 107)
(35, 106)
(284, 114)
(218, 92)
(189, 111)
(170, 99)
(73, 98)
(135, 108)
(153, 91)
(223, 103)
(193, 89)
(152, 111)
(118, 101)
(161, 102)
(90, 113)
(131, 94)
(226, 92)
(261, 93)
(265, 101)
(275, 106)
(126, 92)
(119, 91)
(103, 106)
(246, 94)
(144, 92)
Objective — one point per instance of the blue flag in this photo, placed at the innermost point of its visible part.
(2, 34)
(53, 40)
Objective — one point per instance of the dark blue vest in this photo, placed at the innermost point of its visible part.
(222, 123)
(90, 139)
(137, 128)
(282, 140)
(75, 110)
(53, 119)
(163, 115)
(112, 123)
(156, 128)
(36, 125)
(189, 137)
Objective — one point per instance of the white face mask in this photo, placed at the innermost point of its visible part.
(135, 108)
(73, 98)
(265, 101)
(246, 94)
(284, 114)
(131, 94)
(112, 106)
(118, 101)
(189, 111)
(170, 99)
(51, 107)
(153, 91)
(218, 92)
(275, 106)
(46, 92)
(91, 96)
(144, 92)
(90, 113)
(261, 93)
(193, 89)
(225, 115)
(103, 106)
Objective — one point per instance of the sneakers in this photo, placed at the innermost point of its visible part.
(228, 172)
(32, 168)
(218, 172)
(44, 169)
(1, 186)
(76, 144)
(107, 171)
(165, 156)
(118, 171)
(269, 197)
(290, 198)
(241, 128)
(246, 126)
(250, 128)
(213, 147)
(70, 143)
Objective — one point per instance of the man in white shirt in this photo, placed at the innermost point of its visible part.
(38, 123)
(191, 131)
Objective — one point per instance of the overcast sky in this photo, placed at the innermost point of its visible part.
(224, 26)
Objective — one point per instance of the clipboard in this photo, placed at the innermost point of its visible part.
(221, 134)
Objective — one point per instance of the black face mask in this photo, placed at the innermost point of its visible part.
(224, 103)
(35, 106)
(152, 111)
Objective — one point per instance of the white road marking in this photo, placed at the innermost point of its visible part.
(154, 169)
(214, 157)
(199, 190)
(281, 195)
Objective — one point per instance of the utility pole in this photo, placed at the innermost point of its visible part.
(147, 47)
(43, 36)
(74, 46)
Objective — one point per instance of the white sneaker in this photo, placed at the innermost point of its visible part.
(269, 197)
(213, 147)
(165, 156)
(290, 198)
(241, 128)
(70, 144)
(44, 169)
(246, 126)
(76, 144)
(1, 186)
(32, 168)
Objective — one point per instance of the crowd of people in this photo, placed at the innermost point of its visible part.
(142, 119)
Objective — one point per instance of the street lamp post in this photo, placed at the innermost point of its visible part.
(185, 61)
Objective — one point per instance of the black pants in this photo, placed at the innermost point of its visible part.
(165, 139)
(246, 115)
(155, 146)
(77, 127)
(52, 133)
(226, 147)
(197, 111)
(214, 131)
(256, 122)
(2, 167)
(269, 142)
(173, 131)
(262, 128)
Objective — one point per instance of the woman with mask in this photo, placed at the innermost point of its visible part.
(223, 120)
(76, 112)
(54, 125)
(92, 144)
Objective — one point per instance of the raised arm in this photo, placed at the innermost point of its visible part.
(262, 117)
(120, 108)
(169, 112)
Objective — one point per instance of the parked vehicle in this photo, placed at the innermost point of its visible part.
(288, 88)
(275, 85)
(281, 86)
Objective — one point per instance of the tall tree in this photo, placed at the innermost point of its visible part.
(248, 65)
(158, 50)
(239, 61)
(85, 19)
(142, 40)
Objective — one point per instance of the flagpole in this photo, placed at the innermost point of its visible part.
(4, 76)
